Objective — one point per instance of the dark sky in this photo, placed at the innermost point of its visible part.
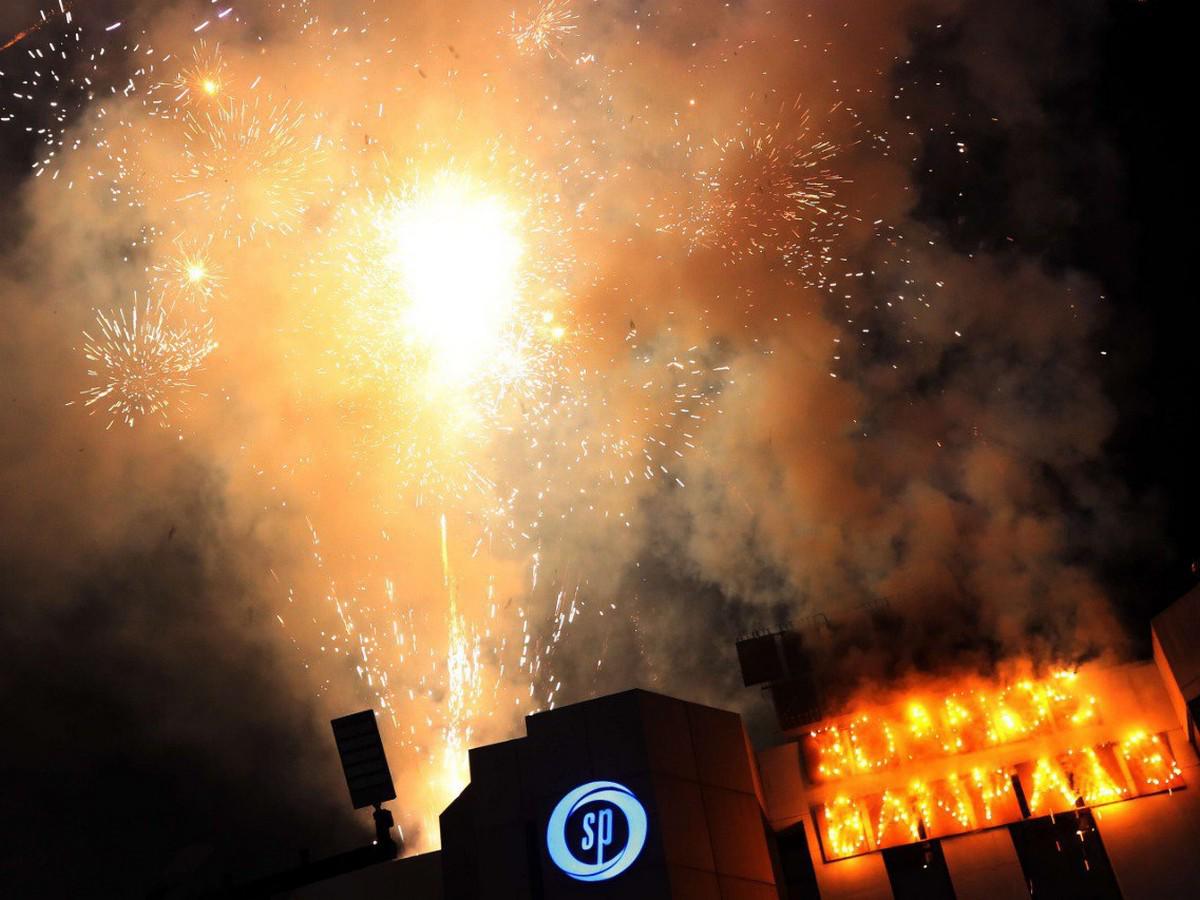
(1107, 156)
(129, 765)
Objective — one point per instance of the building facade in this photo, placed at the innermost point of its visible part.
(1061, 784)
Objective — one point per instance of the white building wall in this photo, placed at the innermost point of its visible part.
(1153, 843)
(984, 866)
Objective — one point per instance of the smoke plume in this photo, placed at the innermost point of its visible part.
(863, 412)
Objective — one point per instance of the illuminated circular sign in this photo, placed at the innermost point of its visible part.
(596, 831)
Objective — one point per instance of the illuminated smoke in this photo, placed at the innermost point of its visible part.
(670, 356)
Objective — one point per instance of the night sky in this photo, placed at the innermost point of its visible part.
(161, 730)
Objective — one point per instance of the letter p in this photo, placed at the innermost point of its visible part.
(605, 833)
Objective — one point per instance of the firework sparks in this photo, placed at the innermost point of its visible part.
(245, 163)
(463, 681)
(433, 286)
(454, 309)
(64, 10)
(767, 194)
(545, 29)
(206, 79)
(446, 334)
(141, 363)
(189, 273)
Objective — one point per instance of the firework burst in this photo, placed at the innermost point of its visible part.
(545, 29)
(189, 273)
(444, 310)
(205, 80)
(245, 165)
(142, 365)
(446, 331)
(766, 194)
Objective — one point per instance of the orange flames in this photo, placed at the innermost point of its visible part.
(983, 796)
(1150, 764)
(845, 827)
(958, 723)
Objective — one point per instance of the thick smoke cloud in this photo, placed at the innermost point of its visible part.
(907, 452)
(919, 466)
(157, 730)
(915, 456)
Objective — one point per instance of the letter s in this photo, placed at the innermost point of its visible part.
(588, 837)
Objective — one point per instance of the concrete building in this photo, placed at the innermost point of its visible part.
(1068, 784)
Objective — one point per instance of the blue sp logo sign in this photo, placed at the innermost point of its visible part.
(596, 831)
